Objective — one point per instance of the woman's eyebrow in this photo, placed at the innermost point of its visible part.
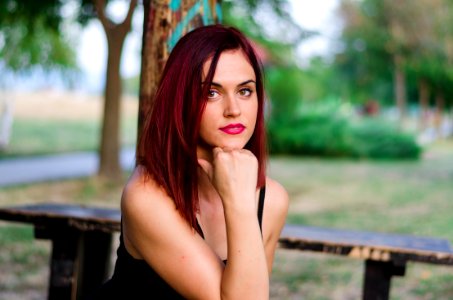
(242, 83)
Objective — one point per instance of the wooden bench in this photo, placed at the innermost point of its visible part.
(82, 237)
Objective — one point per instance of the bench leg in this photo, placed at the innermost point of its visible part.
(63, 263)
(79, 261)
(378, 277)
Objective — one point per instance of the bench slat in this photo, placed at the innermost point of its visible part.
(368, 245)
(364, 238)
(84, 218)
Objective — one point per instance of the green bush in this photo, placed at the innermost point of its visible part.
(332, 129)
(376, 139)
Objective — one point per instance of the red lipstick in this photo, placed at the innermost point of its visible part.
(233, 128)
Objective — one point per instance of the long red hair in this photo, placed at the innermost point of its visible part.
(167, 147)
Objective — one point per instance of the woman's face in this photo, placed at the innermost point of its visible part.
(229, 118)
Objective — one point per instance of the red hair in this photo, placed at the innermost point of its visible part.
(167, 147)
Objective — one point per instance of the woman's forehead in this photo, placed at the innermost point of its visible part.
(232, 64)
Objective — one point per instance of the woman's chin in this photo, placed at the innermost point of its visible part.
(232, 146)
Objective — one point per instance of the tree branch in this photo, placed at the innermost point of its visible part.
(128, 20)
(100, 10)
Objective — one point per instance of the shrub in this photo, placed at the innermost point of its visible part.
(332, 129)
(377, 139)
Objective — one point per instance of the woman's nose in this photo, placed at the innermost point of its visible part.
(232, 107)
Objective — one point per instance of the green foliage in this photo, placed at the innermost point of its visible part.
(31, 35)
(283, 87)
(376, 32)
(365, 64)
(331, 129)
(377, 139)
(253, 17)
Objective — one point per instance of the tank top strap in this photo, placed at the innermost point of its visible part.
(261, 206)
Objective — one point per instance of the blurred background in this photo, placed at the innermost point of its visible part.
(359, 118)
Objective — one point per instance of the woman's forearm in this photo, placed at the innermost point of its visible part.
(246, 274)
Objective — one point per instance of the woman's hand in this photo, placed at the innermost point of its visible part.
(234, 174)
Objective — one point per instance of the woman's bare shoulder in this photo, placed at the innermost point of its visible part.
(275, 210)
(140, 187)
(143, 199)
(277, 199)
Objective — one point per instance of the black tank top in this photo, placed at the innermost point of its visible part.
(135, 279)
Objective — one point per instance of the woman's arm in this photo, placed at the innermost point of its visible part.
(234, 175)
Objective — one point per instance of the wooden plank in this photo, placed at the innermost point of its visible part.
(84, 218)
(367, 245)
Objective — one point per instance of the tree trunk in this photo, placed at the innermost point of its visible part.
(423, 91)
(110, 134)
(155, 28)
(438, 117)
(6, 119)
(164, 23)
(400, 87)
(109, 150)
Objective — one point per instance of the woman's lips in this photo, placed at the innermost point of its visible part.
(233, 128)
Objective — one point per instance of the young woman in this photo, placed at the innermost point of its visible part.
(200, 219)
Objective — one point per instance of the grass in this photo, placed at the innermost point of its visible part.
(404, 197)
(397, 197)
(38, 137)
(48, 122)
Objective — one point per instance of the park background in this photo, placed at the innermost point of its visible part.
(360, 127)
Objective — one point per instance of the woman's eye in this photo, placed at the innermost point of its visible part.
(245, 92)
(212, 94)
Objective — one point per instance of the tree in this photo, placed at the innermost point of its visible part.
(30, 38)
(33, 30)
(109, 147)
(399, 37)
(431, 62)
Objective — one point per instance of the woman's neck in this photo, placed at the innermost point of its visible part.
(206, 191)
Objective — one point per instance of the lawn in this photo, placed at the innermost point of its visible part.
(398, 197)
(403, 197)
(56, 122)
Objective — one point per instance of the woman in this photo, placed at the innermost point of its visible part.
(200, 220)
